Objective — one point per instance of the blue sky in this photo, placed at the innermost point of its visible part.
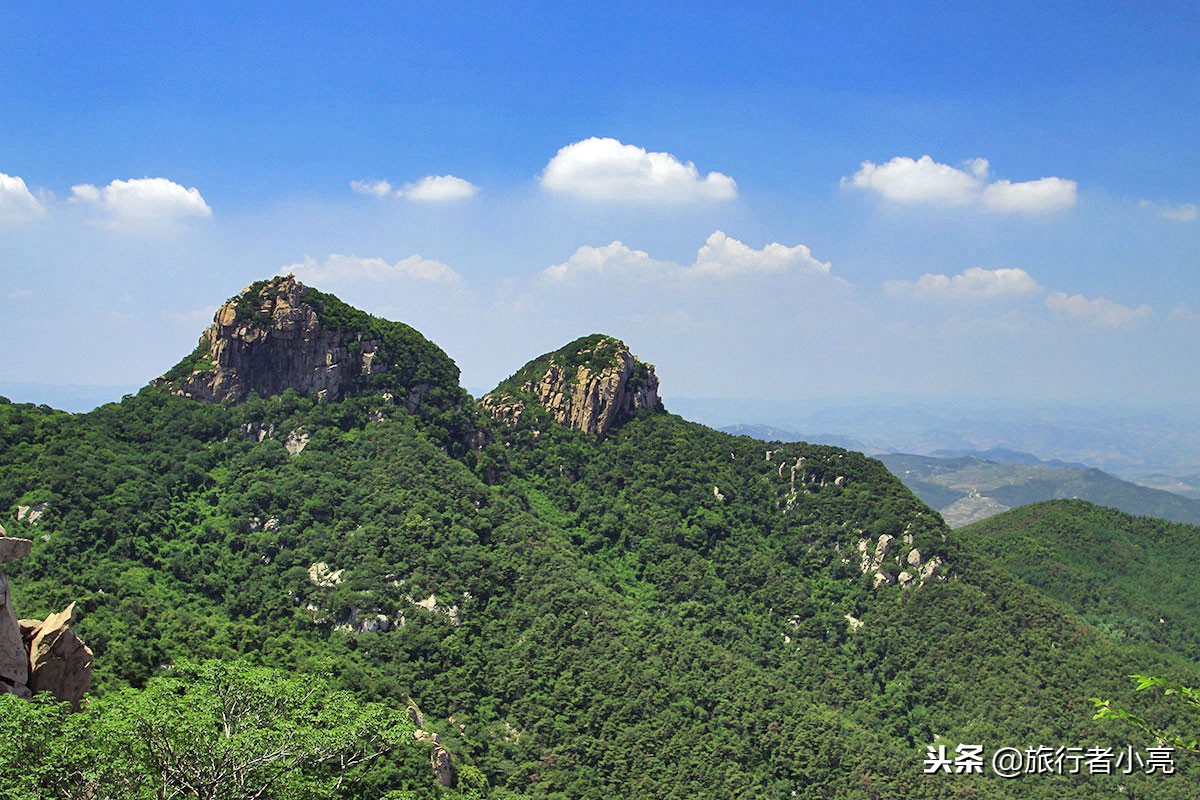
(936, 199)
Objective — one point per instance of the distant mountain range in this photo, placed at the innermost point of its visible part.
(966, 486)
(970, 488)
(1161, 450)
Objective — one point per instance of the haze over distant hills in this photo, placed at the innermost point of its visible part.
(968, 489)
(1159, 449)
(970, 485)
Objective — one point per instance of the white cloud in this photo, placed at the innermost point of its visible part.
(720, 256)
(973, 283)
(1098, 311)
(905, 180)
(17, 203)
(606, 169)
(439, 188)
(614, 258)
(1183, 313)
(1042, 196)
(1185, 212)
(430, 189)
(375, 188)
(342, 268)
(142, 202)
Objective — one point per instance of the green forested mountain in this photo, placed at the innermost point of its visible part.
(1132, 577)
(660, 610)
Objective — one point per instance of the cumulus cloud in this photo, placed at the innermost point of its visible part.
(374, 188)
(614, 258)
(142, 202)
(719, 256)
(1185, 212)
(923, 180)
(339, 268)
(723, 255)
(608, 170)
(439, 188)
(1098, 311)
(1042, 196)
(904, 180)
(17, 203)
(430, 189)
(973, 283)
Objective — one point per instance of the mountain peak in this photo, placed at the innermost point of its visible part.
(592, 384)
(279, 334)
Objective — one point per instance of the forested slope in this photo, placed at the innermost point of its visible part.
(1132, 577)
(659, 611)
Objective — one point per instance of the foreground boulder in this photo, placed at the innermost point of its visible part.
(59, 661)
(14, 658)
(39, 655)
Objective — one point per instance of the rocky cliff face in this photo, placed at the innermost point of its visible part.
(266, 340)
(592, 385)
(279, 334)
(39, 655)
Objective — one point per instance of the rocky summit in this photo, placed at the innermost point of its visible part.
(592, 384)
(279, 334)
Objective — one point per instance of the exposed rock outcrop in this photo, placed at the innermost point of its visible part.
(14, 658)
(59, 661)
(439, 757)
(915, 569)
(443, 766)
(39, 655)
(31, 514)
(280, 334)
(319, 574)
(593, 384)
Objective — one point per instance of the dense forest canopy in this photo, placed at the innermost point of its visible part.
(661, 611)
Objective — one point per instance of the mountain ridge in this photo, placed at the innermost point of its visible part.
(562, 603)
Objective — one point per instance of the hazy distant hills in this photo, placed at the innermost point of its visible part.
(966, 486)
(1161, 450)
(1004, 455)
(968, 489)
(769, 433)
(1186, 485)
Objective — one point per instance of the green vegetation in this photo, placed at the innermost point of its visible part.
(661, 612)
(217, 730)
(1130, 577)
(197, 360)
(1189, 697)
(595, 352)
(412, 360)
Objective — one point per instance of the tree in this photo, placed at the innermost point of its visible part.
(211, 731)
(1189, 696)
